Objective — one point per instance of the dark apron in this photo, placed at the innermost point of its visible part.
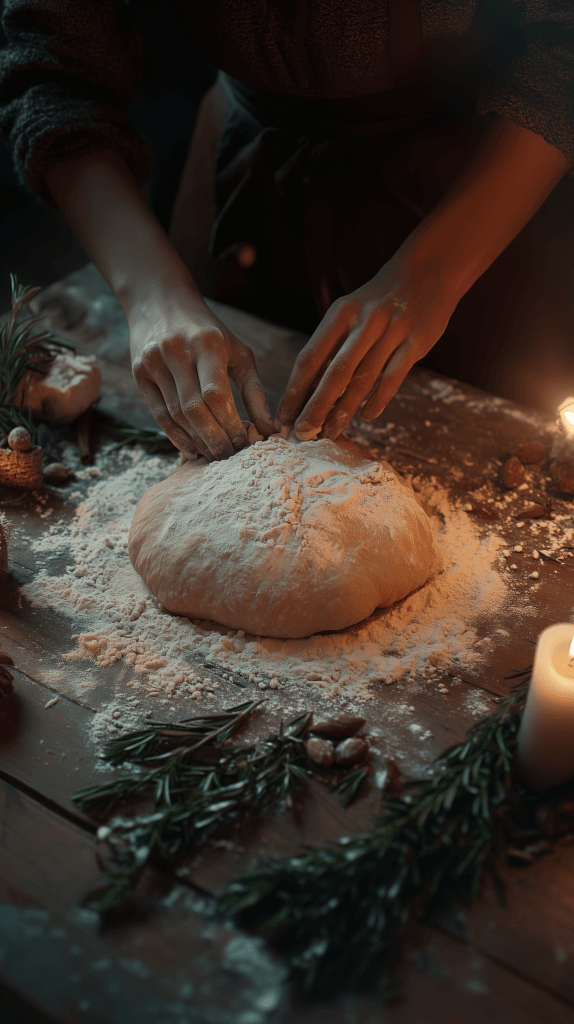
(327, 190)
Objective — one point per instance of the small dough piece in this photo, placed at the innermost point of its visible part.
(69, 387)
(282, 539)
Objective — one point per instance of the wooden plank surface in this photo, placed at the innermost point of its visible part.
(181, 966)
(434, 428)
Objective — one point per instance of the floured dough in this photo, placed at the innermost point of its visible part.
(281, 539)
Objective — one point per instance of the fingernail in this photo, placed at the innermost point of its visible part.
(278, 424)
(305, 433)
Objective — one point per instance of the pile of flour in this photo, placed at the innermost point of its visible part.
(436, 629)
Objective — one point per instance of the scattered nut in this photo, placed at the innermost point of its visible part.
(57, 473)
(351, 751)
(320, 751)
(531, 451)
(562, 474)
(512, 472)
(534, 512)
(337, 727)
(19, 439)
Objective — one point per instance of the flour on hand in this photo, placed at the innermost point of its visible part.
(282, 540)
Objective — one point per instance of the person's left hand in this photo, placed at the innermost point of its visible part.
(365, 345)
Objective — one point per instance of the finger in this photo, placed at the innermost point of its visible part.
(392, 377)
(329, 336)
(347, 363)
(194, 418)
(184, 400)
(218, 398)
(181, 439)
(254, 398)
(363, 381)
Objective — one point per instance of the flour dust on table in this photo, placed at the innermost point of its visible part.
(283, 539)
(199, 665)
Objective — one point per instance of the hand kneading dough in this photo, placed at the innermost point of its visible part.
(282, 539)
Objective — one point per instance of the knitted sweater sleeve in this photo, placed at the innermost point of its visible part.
(67, 75)
(530, 74)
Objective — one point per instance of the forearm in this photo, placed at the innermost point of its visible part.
(109, 215)
(500, 189)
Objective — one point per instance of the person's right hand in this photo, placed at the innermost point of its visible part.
(182, 358)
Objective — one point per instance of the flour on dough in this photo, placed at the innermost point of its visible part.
(282, 539)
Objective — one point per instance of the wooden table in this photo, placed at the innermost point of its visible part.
(487, 963)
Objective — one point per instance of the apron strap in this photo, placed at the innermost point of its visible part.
(405, 39)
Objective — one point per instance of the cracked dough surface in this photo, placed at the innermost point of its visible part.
(282, 539)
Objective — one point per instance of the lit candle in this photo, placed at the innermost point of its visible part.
(545, 753)
(566, 416)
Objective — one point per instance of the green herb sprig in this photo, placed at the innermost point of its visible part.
(152, 441)
(337, 914)
(189, 796)
(22, 349)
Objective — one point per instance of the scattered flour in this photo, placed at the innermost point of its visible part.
(435, 629)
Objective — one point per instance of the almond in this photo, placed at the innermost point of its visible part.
(321, 752)
(56, 473)
(531, 451)
(338, 727)
(533, 512)
(562, 474)
(512, 472)
(351, 751)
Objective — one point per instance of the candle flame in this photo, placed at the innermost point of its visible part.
(566, 413)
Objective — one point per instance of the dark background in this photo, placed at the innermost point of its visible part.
(36, 243)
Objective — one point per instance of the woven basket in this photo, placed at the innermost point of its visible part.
(21, 469)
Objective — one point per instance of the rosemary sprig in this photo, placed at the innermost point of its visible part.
(22, 349)
(189, 796)
(337, 914)
(350, 785)
(153, 441)
(167, 743)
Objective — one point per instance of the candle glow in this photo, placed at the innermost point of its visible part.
(566, 414)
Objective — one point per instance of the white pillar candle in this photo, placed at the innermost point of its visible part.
(566, 416)
(545, 746)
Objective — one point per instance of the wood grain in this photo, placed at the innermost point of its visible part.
(178, 966)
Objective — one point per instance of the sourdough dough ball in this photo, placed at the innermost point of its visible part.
(282, 539)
